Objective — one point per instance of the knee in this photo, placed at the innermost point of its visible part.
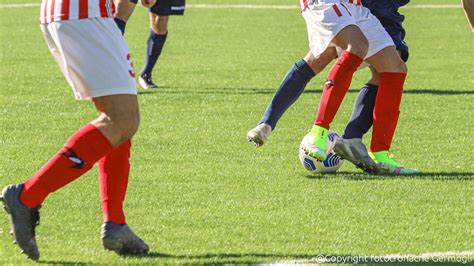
(318, 65)
(121, 126)
(396, 66)
(127, 126)
(400, 67)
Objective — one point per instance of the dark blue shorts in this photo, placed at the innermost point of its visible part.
(168, 7)
(397, 32)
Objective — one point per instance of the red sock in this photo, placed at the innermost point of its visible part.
(387, 110)
(337, 84)
(81, 151)
(114, 169)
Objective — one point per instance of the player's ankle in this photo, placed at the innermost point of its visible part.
(320, 135)
(383, 157)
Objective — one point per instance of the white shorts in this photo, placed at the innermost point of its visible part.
(92, 55)
(325, 20)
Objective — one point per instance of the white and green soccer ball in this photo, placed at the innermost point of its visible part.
(332, 163)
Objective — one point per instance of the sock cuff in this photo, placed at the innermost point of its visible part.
(393, 74)
(370, 86)
(306, 70)
(352, 59)
(89, 143)
(393, 79)
(126, 145)
(120, 24)
(117, 20)
(157, 36)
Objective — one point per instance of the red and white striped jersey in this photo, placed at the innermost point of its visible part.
(58, 10)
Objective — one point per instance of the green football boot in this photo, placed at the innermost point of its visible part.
(387, 165)
(317, 149)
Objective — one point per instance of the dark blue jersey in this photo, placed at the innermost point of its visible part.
(387, 9)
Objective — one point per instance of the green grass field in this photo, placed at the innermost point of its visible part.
(199, 192)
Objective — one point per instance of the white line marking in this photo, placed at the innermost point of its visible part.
(248, 6)
(439, 6)
(237, 6)
(19, 5)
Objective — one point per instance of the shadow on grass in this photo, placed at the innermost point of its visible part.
(61, 262)
(424, 175)
(152, 91)
(233, 90)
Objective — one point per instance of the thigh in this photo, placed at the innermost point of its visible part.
(324, 22)
(318, 64)
(118, 106)
(387, 60)
(96, 57)
(125, 9)
(397, 33)
(374, 31)
(119, 117)
(159, 24)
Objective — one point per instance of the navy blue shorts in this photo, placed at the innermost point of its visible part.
(397, 32)
(168, 7)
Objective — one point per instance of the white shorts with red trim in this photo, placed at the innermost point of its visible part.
(325, 20)
(92, 55)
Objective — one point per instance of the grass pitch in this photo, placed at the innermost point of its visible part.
(198, 192)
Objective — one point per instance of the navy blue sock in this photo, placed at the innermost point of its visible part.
(362, 115)
(155, 44)
(289, 91)
(120, 24)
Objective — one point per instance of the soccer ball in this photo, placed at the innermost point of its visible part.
(332, 162)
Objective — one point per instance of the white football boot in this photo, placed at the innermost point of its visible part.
(259, 134)
(146, 82)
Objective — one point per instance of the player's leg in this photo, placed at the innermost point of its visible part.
(392, 71)
(361, 118)
(288, 92)
(350, 145)
(83, 149)
(114, 169)
(355, 44)
(117, 122)
(362, 115)
(124, 9)
(468, 6)
(155, 43)
(93, 74)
